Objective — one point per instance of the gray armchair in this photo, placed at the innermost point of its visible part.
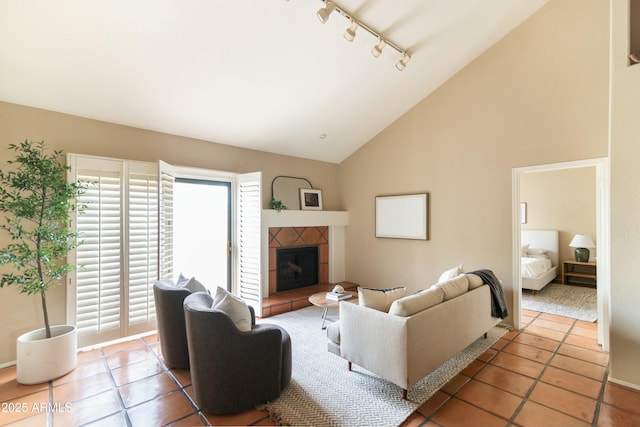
(233, 371)
(171, 328)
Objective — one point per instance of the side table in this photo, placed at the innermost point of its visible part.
(320, 300)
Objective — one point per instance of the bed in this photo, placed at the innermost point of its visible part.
(539, 258)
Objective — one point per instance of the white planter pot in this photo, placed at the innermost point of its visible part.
(41, 359)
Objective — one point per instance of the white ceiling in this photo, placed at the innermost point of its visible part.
(260, 74)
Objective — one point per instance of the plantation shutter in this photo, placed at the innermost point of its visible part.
(98, 278)
(142, 242)
(166, 221)
(249, 214)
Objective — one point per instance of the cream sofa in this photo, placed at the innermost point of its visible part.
(418, 333)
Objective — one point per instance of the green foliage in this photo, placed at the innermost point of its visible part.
(37, 203)
(277, 205)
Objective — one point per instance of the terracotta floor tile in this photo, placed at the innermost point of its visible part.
(525, 320)
(530, 313)
(82, 388)
(487, 355)
(528, 352)
(83, 370)
(34, 420)
(24, 406)
(574, 382)
(510, 335)
(517, 364)
(134, 355)
(499, 345)
(136, 371)
(585, 332)
(242, 419)
(88, 410)
(10, 388)
(455, 383)
(472, 368)
(611, 416)
(550, 324)
(183, 376)
(598, 357)
(506, 380)
(190, 421)
(556, 318)
(546, 332)
(578, 366)
(414, 420)
(84, 356)
(146, 389)
(587, 325)
(122, 346)
(489, 398)
(161, 411)
(535, 415)
(537, 341)
(461, 414)
(622, 397)
(434, 402)
(564, 401)
(585, 342)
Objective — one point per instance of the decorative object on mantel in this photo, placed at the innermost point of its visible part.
(277, 205)
(403, 216)
(310, 199)
(285, 189)
(582, 243)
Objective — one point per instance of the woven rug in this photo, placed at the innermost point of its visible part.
(577, 302)
(323, 392)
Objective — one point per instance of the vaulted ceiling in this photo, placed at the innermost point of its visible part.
(259, 74)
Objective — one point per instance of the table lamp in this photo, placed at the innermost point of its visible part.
(582, 243)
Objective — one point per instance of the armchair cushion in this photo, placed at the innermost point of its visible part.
(234, 307)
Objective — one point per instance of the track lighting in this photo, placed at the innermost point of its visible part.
(325, 12)
(402, 63)
(377, 49)
(350, 33)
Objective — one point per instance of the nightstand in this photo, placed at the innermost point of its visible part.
(579, 273)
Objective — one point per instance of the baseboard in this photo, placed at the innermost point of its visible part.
(623, 383)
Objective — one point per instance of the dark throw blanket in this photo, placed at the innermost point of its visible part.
(498, 306)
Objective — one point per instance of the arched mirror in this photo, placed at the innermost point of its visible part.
(286, 189)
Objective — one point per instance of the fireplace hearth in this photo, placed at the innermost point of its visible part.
(296, 267)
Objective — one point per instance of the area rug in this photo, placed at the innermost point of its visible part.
(577, 302)
(323, 392)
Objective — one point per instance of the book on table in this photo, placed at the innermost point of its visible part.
(338, 296)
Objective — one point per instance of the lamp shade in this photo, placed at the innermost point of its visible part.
(582, 241)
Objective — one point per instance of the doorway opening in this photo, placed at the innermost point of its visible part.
(202, 231)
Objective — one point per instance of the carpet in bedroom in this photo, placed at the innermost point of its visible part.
(323, 392)
(577, 302)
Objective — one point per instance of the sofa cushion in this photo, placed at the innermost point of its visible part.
(475, 281)
(454, 287)
(412, 304)
(234, 307)
(451, 273)
(380, 299)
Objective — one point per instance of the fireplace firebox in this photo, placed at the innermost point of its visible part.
(296, 267)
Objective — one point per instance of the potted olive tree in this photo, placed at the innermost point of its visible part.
(38, 204)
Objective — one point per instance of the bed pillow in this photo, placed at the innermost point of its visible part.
(234, 307)
(412, 304)
(451, 273)
(454, 287)
(524, 250)
(536, 251)
(380, 299)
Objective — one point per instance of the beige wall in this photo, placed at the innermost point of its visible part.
(538, 96)
(21, 313)
(625, 205)
(563, 200)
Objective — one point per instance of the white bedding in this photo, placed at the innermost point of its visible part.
(533, 266)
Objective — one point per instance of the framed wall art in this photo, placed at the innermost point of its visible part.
(403, 216)
(310, 199)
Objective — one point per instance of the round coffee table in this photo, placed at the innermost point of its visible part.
(320, 300)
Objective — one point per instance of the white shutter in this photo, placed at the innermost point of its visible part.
(142, 268)
(249, 213)
(166, 221)
(98, 277)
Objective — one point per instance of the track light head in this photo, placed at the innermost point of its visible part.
(402, 63)
(350, 33)
(325, 12)
(377, 49)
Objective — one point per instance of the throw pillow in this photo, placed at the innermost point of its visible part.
(455, 287)
(380, 299)
(192, 285)
(417, 302)
(181, 280)
(475, 281)
(451, 273)
(233, 307)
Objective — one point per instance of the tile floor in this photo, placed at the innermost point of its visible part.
(550, 373)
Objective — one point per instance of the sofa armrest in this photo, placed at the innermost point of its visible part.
(375, 340)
